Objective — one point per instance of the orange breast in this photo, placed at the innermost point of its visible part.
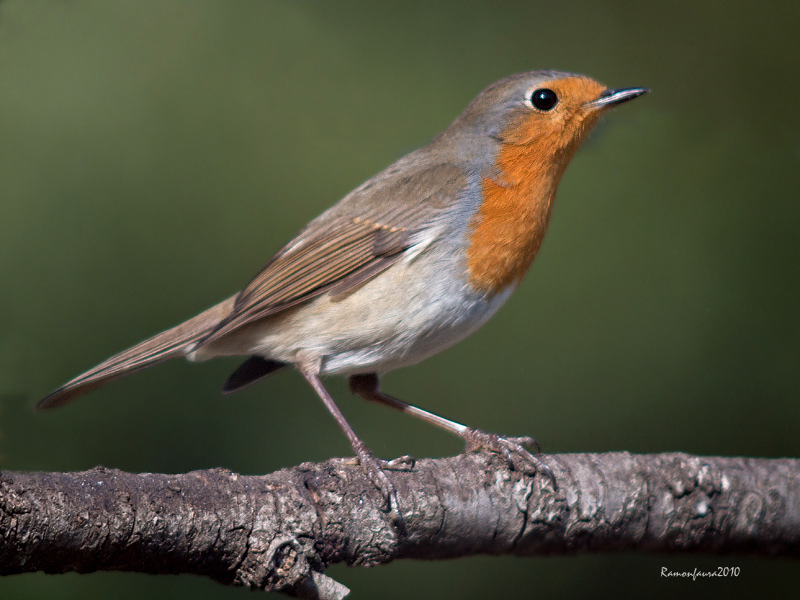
(509, 228)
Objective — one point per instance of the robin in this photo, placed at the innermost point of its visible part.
(404, 266)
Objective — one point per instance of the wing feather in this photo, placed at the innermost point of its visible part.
(347, 246)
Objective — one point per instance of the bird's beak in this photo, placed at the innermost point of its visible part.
(614, 97)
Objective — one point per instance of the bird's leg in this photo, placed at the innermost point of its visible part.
(511, 448)
(372, 466)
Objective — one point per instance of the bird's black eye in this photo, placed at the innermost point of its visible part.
(544, 99)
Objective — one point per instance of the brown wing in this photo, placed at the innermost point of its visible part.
(351, 243)
(342, 256)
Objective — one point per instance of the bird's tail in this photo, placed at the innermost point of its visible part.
(171, 343)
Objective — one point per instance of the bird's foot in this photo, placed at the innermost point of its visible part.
(512, 449)
(376, 471)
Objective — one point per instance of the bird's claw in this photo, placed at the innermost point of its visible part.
(375, 471)
(512, 449)
(381, 481)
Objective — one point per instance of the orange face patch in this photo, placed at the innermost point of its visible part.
(518, 197)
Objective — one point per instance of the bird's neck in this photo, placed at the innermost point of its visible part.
(509, 227)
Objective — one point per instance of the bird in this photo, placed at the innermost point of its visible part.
(407, 264)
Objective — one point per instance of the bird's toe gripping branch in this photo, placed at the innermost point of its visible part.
(513, 449)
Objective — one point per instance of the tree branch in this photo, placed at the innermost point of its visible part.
(280, 531)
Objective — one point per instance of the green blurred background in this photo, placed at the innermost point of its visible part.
(154, 154)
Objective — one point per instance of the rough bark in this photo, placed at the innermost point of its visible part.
(280, 531)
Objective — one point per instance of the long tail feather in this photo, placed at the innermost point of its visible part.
(168, 344)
